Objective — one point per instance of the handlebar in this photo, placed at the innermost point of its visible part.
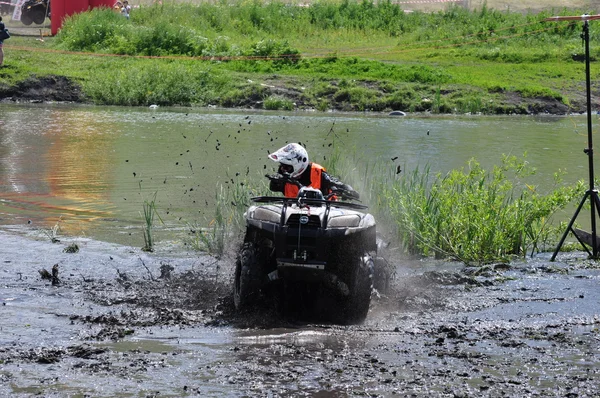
(338, 188)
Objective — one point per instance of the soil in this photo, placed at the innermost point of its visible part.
(56, 88)
(111, 320)
(43, 89)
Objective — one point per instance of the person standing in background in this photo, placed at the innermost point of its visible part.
(2, 27)
(126, 9)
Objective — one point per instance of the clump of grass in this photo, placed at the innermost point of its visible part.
(232, 200)
(102, 30)
(72, 248)
(53, 232)
(273, 103)
(322, 105)
(157, 83)
(473, 215)
(212, 238)
(470, 214)
(149, 213)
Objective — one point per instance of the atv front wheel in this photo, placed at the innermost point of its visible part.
(248, 276)
(382, 275)
(38, 15)
(356, 306)
(26, 19)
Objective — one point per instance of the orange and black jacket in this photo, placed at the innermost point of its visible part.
(314, 176)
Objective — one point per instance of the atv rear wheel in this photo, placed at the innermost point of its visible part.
(356, 306)
(248, 276)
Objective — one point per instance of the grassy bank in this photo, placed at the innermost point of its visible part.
(351, 56)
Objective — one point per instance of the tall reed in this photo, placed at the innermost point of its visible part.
(232, 199)
(149, 212)
(471, 215)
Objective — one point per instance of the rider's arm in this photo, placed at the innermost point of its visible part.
(326, 182)
(343, 191)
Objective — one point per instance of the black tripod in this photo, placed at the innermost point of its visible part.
(582, 236)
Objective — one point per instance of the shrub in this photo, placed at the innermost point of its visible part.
(468, 214)
(472, 215)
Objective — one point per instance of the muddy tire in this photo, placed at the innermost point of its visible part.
(248, 277)
(26, 19)
(382, 275)
(38, 15)
(355, 307)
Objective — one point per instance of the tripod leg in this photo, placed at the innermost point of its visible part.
(562, 240)
(596, 204)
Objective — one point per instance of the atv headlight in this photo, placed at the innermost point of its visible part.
(350, 220)
(265, 214)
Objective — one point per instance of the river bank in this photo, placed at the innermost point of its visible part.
(56, 88)
(123, 322)
(349, 57)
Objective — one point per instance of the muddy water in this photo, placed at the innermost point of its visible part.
(115, 327)
(125, 323)
(89, 169)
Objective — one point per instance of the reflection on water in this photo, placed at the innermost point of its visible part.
(285, 336)
(89, 169)
(54, 165)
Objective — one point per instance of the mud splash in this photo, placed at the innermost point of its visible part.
(122, 322)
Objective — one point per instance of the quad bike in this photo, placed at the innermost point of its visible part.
(35, 11)
(310, 252)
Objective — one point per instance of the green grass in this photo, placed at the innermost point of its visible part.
(347, 55)
(148, 215)
(470, 214)
(273, 103)
(228, 223)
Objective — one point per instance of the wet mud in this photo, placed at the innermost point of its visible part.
(122, 322)
(34, 89)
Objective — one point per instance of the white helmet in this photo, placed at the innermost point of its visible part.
(292, 155)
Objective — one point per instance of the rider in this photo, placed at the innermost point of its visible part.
(294, 165)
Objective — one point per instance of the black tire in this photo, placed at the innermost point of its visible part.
(38, 15)
(26, 19)
(355, 306)
(248, 277)
(382, 275)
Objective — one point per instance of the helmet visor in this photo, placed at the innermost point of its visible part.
(285, 168)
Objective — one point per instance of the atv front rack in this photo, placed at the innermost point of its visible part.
(308, 202)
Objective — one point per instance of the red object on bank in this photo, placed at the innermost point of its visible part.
(64, 8)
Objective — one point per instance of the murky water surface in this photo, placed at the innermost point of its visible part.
(90, 169)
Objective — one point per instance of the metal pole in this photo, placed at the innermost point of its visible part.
(591, 192)
(590, 149)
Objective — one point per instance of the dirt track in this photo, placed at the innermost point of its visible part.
(114, 327)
